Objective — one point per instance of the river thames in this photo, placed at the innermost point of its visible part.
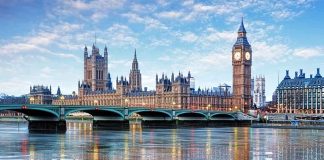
(82, 142)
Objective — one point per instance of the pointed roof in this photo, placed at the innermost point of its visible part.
(242, 28)
(135, 57)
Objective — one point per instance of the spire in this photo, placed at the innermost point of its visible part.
(95, 39)
(135, 63)
(58, 91)
(135, 58)
(242, 29)
(241, 36)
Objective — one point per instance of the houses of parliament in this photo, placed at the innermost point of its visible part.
(174, 91)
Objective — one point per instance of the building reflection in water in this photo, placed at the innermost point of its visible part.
(81, 142)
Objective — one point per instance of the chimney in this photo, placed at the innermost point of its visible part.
(296, 74)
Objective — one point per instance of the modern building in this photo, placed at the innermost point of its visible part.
(259, 98)
(176, 91)
(300, 94)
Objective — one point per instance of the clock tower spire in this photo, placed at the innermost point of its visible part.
(242, 62)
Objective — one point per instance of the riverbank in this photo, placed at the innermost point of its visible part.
(293, 124)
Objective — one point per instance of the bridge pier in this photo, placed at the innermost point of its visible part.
(110, 124)
(47, 126)
(159, 124)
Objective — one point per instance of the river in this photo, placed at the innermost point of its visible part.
(82, 142)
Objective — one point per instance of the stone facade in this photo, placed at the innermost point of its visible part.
(242, 62)
(259, 97)
(96, 69)
(174, 92)
(40, 95)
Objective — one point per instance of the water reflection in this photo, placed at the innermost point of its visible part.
(82, 142)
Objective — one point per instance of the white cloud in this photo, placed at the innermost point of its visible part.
(264, 52)
(188, 37)
(170, 14)
(149, 22)
(98, 9)
(121, 35)
(308, 52)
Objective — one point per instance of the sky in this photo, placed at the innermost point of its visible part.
(41, 42)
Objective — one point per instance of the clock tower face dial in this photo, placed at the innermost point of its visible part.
(247, 56)
(237, 56)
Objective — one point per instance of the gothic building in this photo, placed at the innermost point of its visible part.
(40, 95)
(96, 69)
(176, 91)
(259, 97)
(135, 78)
(242, 62)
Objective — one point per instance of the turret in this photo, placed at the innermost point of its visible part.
(58, 93)
(85, 52)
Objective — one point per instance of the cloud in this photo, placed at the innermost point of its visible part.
(149, 22)
(308, 52)
(95, 9)
(120, 35)
(170, 14)
(263, 51)
(189, 37)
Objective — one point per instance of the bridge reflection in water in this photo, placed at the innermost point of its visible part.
(81, 142)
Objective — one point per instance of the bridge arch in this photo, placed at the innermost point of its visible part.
(152, 115)
(222, 116)
(188, 115)
(35, 113)
(99, 113)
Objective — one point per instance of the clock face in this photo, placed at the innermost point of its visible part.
(237, 56)
(247, 56)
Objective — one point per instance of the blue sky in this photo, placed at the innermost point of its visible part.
(41, 42)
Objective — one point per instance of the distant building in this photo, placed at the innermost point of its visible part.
(301, 94)
(259, 98)
(40, 95)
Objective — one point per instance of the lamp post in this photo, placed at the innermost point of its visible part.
(95, 103)
(126, 102)
(173, 104)
(31, 100)
(61, 104)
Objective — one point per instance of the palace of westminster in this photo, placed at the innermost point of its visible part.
(175, 91)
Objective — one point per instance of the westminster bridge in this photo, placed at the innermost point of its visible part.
(53, 117)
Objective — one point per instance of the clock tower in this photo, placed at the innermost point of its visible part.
(242, 62)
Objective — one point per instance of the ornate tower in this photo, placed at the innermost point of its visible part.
(135, 78)
(96, 69)
(259, 97)
(242, 62)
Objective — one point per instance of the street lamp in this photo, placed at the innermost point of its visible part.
(173, 104)
(31, 99)
(126, 102)
(95, 102)
(61, 111)
(208, 107)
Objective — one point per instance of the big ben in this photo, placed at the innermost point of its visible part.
(242, 62)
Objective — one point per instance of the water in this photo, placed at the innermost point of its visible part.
(81, 142)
